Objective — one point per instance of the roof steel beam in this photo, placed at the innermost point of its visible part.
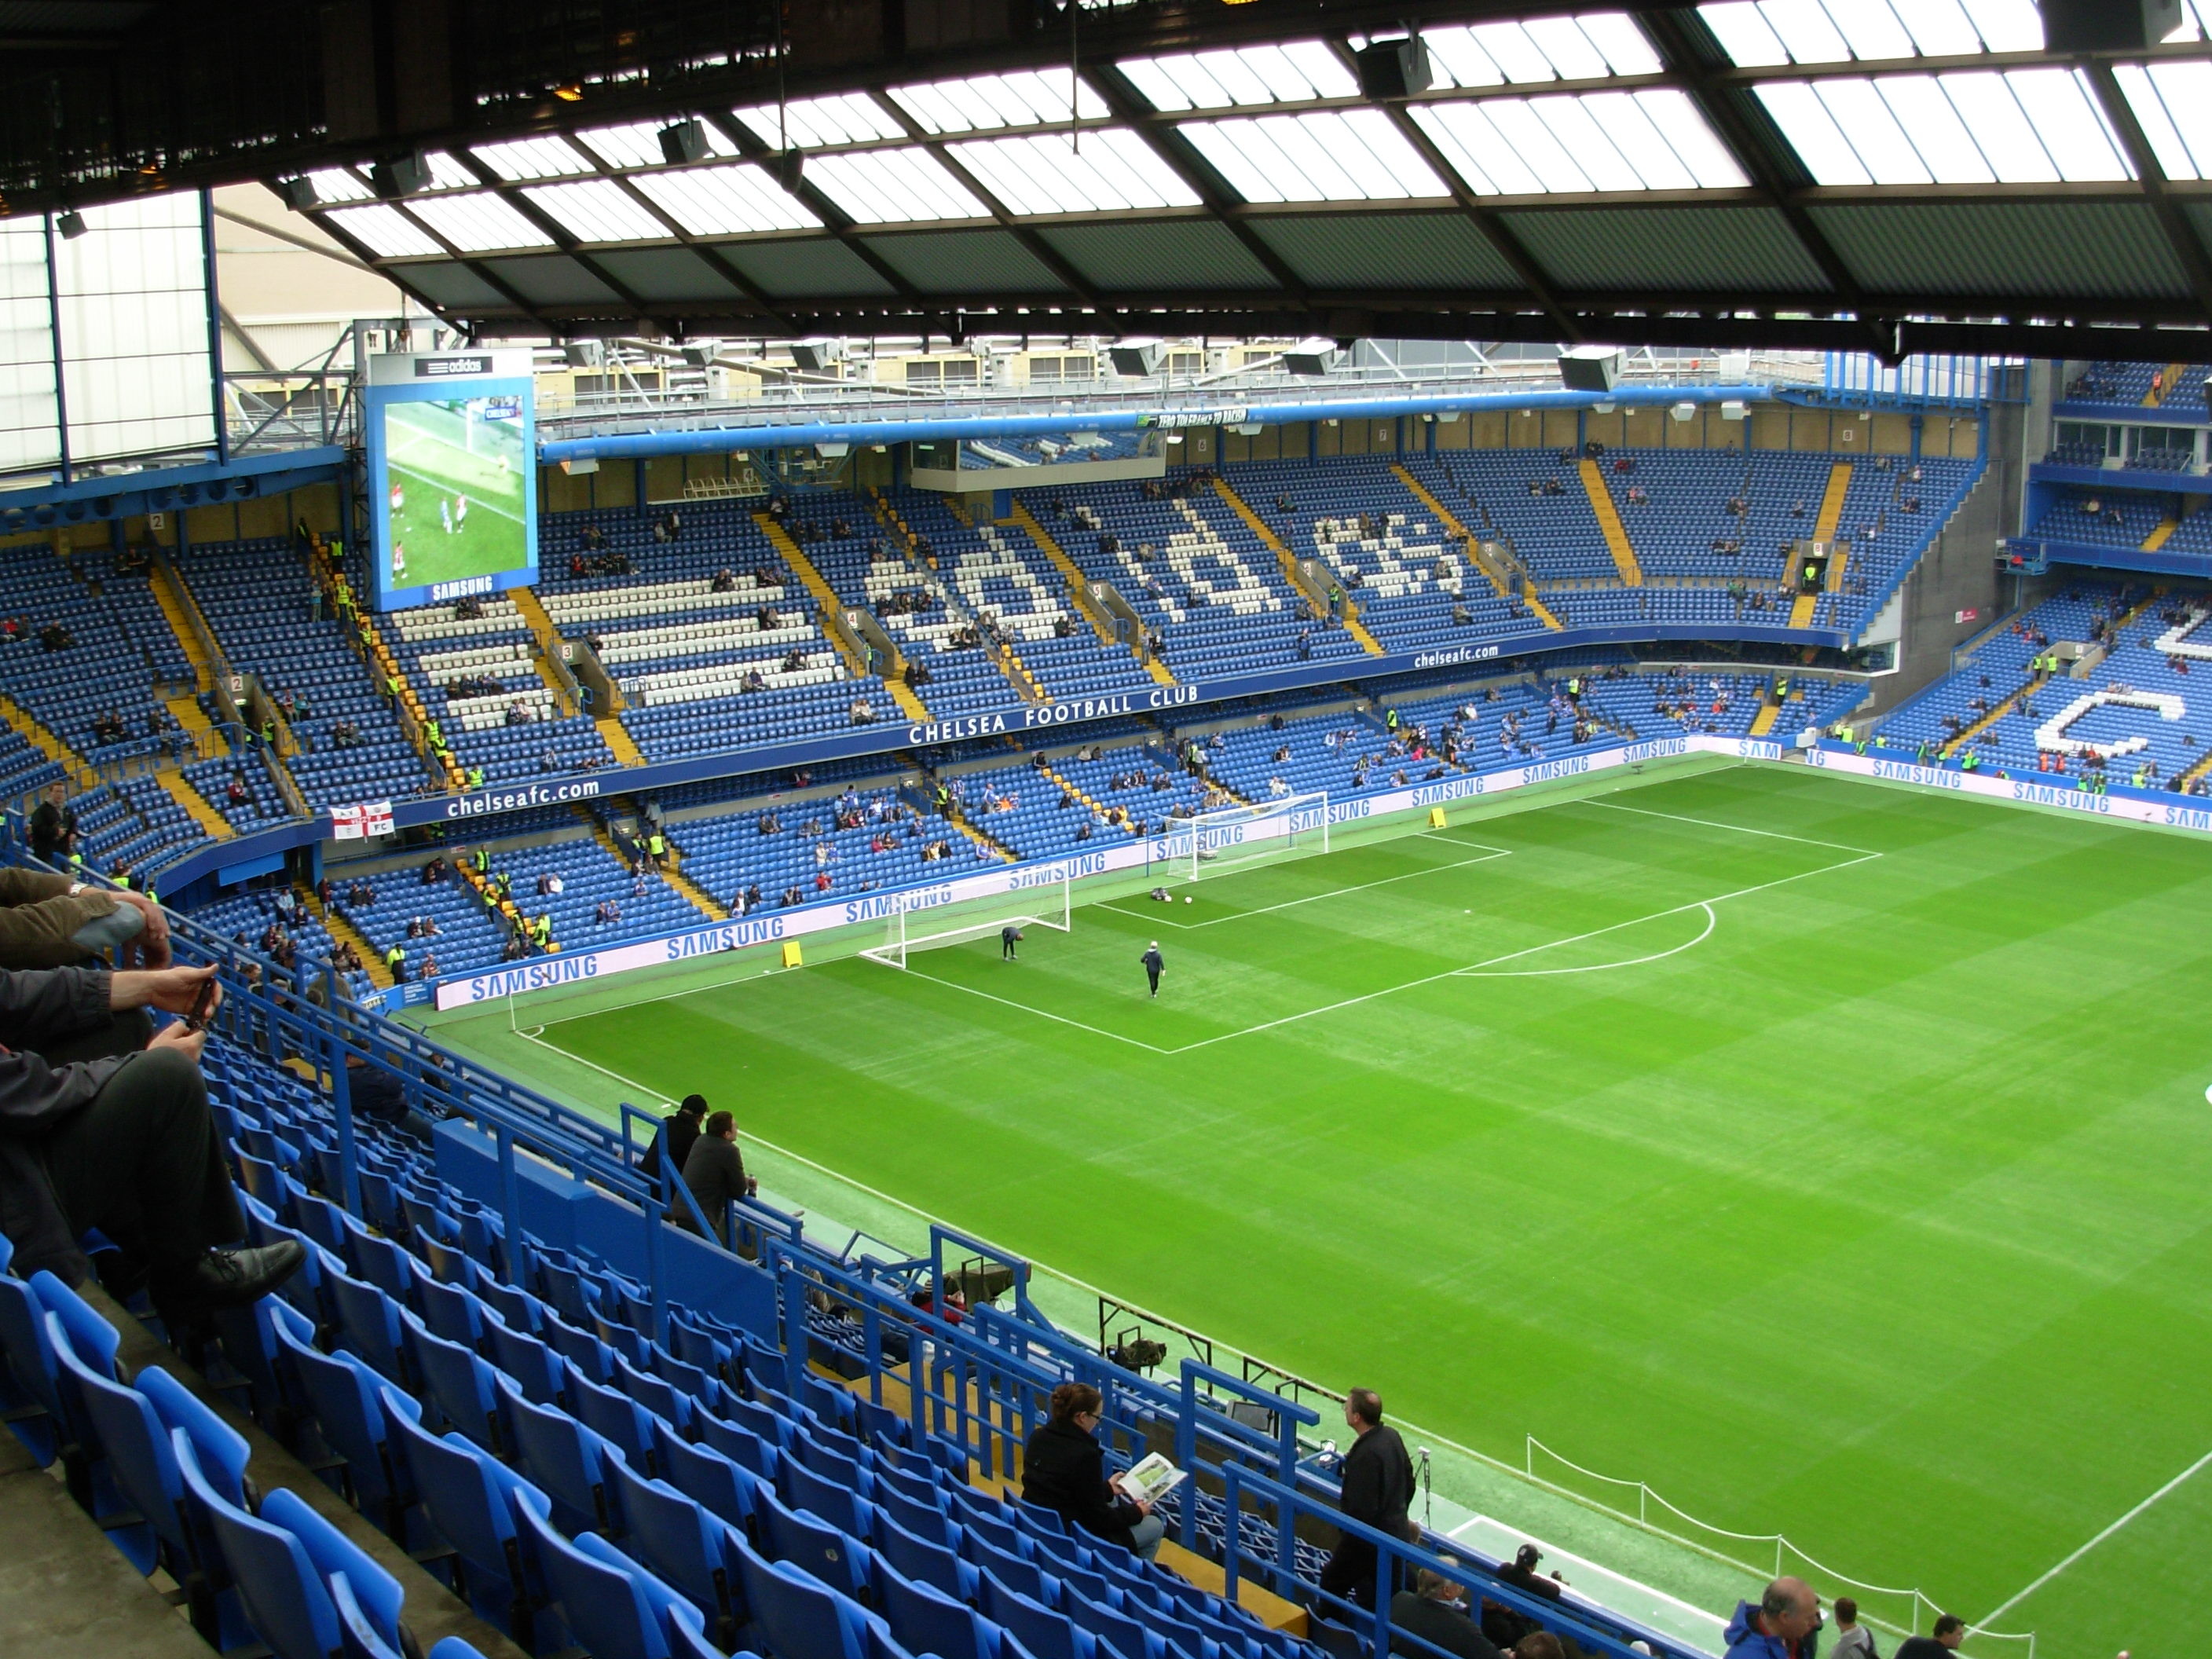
(2153, 183)
(835, 220)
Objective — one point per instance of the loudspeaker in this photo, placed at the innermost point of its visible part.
(298, 194)
(402, 175)
(1591, 367)
(1312, 358)
(1393, 68)
(2107, 25)
(787, 167)
(685, 142)
(1138, 358)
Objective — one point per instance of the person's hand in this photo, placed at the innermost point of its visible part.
(1144, 1505)
(173, 990)
(181, 1037)
(153, 940)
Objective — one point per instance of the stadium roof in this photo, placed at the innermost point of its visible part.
(1784, 173)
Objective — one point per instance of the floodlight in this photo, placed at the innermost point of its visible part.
(1734, 410)
(683, 142)
(1684, 411)
(584, 354)
(700, 356)
(71, 225)
(1314, 357)
(579, 469)
(831, 452)
(817, 356)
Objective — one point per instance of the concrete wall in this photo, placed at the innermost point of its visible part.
(1959, 573)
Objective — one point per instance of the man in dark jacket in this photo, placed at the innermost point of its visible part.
(678, 1130)
(53, 826)
(1378, 1490)
(715, 1171)
(1064, 1470)
(1435, 1610)
(93, 1134)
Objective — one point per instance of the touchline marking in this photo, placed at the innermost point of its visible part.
(2007, 1606)
(1473, 969)
(1715, 823)
(1488, 854)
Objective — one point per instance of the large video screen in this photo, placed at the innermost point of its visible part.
(452, 489)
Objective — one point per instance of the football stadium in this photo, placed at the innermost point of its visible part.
(1106, 829)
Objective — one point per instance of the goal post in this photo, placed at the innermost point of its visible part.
(1046, 902)
(1236, 838)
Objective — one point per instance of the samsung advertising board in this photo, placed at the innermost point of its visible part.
(452, 480)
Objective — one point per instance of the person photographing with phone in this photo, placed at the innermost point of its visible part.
(1064, 1470)
(102, 1127)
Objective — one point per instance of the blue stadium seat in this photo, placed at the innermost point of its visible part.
(564, 1460)
(468, 1499)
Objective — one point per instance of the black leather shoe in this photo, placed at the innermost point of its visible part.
(231, 1279)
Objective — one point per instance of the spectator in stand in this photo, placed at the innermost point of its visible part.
(678, 1130)
(1378, 1490)
(53, 827)
(715, 1171)
(1784, 1623)
(1950, 1631)
(1064, 1470)
(1435, 1610)
(100, 1127)
(1521, 1573)
(1853, 1639)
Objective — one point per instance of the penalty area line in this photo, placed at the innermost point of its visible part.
(2013, 1600)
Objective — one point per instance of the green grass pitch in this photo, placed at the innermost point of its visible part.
(435, 459)
(1834, 1157)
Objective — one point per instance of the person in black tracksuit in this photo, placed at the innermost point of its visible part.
(1009, 937)
(1378, 1490)
(1153, 963)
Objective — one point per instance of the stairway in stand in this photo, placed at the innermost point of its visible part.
(346, 934)
(1608, 520)
(24, 724)
(1473, 545)
(1289, 562)
(217, 826)
(176, 609)
(675, 877)
(533, 613)
(616, 737)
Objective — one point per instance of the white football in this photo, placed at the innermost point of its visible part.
(1188, 899)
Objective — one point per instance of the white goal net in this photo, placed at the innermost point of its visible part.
(1044, 904)
(1234, 837)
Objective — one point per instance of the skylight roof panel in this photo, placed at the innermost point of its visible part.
(384, 231)
(1871, 130)
(2173, 103)
(1023, 98)
(598, 211)
(1314, 63)
(894, 186)
(2064, 113)
(1807, 30)
(1532, 140)
(1643, 149)
(339, 185)
(449, 174)
(483, 223)
(1294, 72)
(1514, 52)
(1594, 156)
(1619, 42)
(1476, 150)
(2007, 25)
(1350, 155)
(1871, 29)
(1113, 169)
(724, 201)
(1937, 135)
(1805, 122)
(532, 158)
(1456, 59)
(2002, 130)
(1566, 48)
(849, 117)
(1745, 34)
(1693, 141)
(637, 144)
(1162, 90)
(1941, 28)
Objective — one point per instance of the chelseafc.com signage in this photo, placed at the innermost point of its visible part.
(453, 478)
